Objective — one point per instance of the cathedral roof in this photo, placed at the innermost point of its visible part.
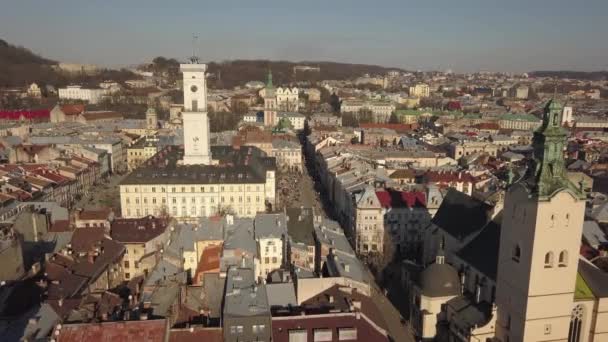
(482, 251)
(595, 278)
(461, 215)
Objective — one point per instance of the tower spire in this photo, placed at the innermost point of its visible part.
(269, 79)
(547, 172)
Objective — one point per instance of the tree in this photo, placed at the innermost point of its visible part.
(394, 119)
(335, 103)
(380, 260)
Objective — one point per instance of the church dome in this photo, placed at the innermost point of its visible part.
(439, 280)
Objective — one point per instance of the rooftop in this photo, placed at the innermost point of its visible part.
(248, 164)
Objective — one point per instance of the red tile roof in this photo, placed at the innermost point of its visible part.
(44, 114)
(122, 331)
(210, 260)
(401, 199)
(72, 109)
(137, 230)
(101, 214)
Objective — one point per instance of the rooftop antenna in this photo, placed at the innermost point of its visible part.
(194, 58)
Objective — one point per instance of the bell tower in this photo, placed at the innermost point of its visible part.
(196, 122)
(541, 231)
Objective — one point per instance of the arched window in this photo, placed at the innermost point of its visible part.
(516, 253)
(549, 260)
(563, 259)
(576, 324)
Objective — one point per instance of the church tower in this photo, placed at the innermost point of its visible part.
(540, 238)
(196, 122)
(270, 103)
(151, 119)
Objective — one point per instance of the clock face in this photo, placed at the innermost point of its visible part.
(193, 89)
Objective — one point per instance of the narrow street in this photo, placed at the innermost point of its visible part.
(393, 307)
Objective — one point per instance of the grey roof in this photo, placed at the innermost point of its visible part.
(270, 226)
(468, 315)
(213, 288)
(246, 165)
(329, 233)
(596, 279)
(164, 270)
(439, 280)
(482, 251)
(239, 235)
(281, 294)
(300, 225)
(593, 234)
(346, 265)
(243, 297)
(461, 215)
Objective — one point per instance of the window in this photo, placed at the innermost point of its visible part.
(547, 329)
(516, 253)
(126, 263)
(347, 334)
(576, 324)
(563, 259)
(549, 260)
(127, 275)
(299, 335)
(322, 335)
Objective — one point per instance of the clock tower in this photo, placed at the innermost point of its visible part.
(196, 122)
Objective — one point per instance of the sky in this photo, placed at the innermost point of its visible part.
(464, 36)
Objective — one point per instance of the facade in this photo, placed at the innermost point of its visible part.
(270, 235)
(75, 92)
(420, 90)
(140, 151)
(369, 223)
(242, 183)
(288, 154)
(295, 119)
(143, 239)
(287, 99)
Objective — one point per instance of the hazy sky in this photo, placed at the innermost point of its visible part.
(465, 35)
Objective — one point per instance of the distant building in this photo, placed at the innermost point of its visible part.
(420, 90)
(75, 92)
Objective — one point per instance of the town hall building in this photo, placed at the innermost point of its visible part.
(199, 180)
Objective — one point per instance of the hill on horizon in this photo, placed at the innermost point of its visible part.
(238, 72)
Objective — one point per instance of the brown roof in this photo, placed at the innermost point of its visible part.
(72, 109)
(137, 230)
(60, 226)
(403, 173)
(99, 214)
(196, 335)
(122, 331)
(92, 116)
(85, 239)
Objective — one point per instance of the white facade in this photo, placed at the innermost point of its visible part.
(420, 90)
(190, 201)
(271, 254)
(296, 119)
(196, 122)
(92, 96)
(287, 98)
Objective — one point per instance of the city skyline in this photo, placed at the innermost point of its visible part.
(473, 36)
